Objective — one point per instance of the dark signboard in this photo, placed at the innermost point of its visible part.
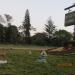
(70, 18)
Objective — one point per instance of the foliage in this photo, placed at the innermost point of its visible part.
(1, 33)
(8, 18)
(8, 34)
(12, 34)
(70, 42)
(40, 39)
(2, 20)
(26, 27)
(58, 38)
(50, 28)
(61, 36)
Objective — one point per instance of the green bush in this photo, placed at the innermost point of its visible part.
(72, 42)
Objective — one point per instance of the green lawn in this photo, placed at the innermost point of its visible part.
(21, 63)
(21, 46)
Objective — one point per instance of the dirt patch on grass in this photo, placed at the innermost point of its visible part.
(61, 51)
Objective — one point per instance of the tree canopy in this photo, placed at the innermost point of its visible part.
(27, 27)
(50, 27)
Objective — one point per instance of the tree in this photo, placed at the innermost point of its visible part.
(12, 34)
(8, 18)
(27, 27)
(4, 34)
(61, 37)
(11, 30)
(1, 33)
(2, 20)
(40, 39)
(49, 27)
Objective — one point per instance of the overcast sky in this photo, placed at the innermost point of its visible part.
(40, 11)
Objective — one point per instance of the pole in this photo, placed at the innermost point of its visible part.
(74, 33)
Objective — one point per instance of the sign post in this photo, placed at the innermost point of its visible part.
(74, 33)
(70, 18)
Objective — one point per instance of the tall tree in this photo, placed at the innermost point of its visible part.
(49, 27)
(8, 19)
(12, 34)
(11, 31)
(2, 20)
(27, 27)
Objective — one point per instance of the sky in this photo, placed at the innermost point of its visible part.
(40, 11)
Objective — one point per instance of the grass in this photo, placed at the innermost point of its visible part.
(21, 46)
(21, 63)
